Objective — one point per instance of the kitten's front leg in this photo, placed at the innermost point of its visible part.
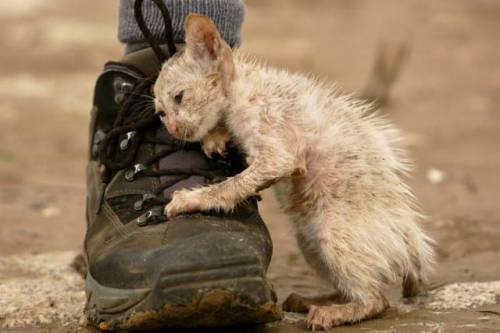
(225, 195)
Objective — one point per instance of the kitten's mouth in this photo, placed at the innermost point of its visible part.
(180, 133)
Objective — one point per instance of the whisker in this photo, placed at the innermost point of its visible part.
(147, 101)
(147, 96)
(148, 106)
(145, 104)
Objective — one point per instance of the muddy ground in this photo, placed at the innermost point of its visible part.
(446, 100)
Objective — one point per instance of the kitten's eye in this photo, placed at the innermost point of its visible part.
(161, 114)
(178, 97)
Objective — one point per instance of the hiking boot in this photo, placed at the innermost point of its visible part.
(198, 270)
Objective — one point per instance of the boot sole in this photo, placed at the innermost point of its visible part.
(193, 304)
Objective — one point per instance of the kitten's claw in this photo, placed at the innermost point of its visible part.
(183, 201)
(216, 142)
(212, 146)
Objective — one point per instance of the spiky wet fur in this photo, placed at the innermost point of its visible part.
(353, 214)
(336, 171)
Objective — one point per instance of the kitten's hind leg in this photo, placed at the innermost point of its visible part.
(300, 304)
(324, 317)
(347, 256)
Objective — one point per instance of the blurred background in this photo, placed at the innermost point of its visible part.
(446, 99)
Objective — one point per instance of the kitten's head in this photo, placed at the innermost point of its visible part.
(193, 86)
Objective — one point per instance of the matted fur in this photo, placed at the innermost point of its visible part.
(337, 170)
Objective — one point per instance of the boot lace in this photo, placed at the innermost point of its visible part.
(137, 123)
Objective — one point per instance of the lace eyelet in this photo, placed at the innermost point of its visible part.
(122, 88)
(126, 87)
(119, 98)
(150, 215)
(143, 220)
(139, 205)
(122, 85)
(98, 137)
(131, 173)
(125, 143)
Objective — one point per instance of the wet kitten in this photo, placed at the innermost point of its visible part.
(336, 172)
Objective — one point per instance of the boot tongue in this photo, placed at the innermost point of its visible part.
(145, 60)
(182, 160)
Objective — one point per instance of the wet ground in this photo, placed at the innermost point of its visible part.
(446, 100)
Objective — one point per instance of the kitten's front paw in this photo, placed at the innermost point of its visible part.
(216, 142)
(183, 201)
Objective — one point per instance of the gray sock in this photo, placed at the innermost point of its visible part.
(227, 14)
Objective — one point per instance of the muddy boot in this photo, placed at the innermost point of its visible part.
(200, 270)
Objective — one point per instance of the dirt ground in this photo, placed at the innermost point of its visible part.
(446, 100)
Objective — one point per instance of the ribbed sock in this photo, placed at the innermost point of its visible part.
(228, 15)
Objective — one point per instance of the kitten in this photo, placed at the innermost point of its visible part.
(336, 171)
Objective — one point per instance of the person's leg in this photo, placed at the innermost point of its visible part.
(228, 15)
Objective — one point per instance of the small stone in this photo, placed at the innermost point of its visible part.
(435, 176)
(466, 295)
(51, 212)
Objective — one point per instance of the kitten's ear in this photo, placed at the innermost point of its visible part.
(204, 42)
(202, 37)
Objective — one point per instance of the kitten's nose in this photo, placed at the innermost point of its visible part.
(173, 129)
